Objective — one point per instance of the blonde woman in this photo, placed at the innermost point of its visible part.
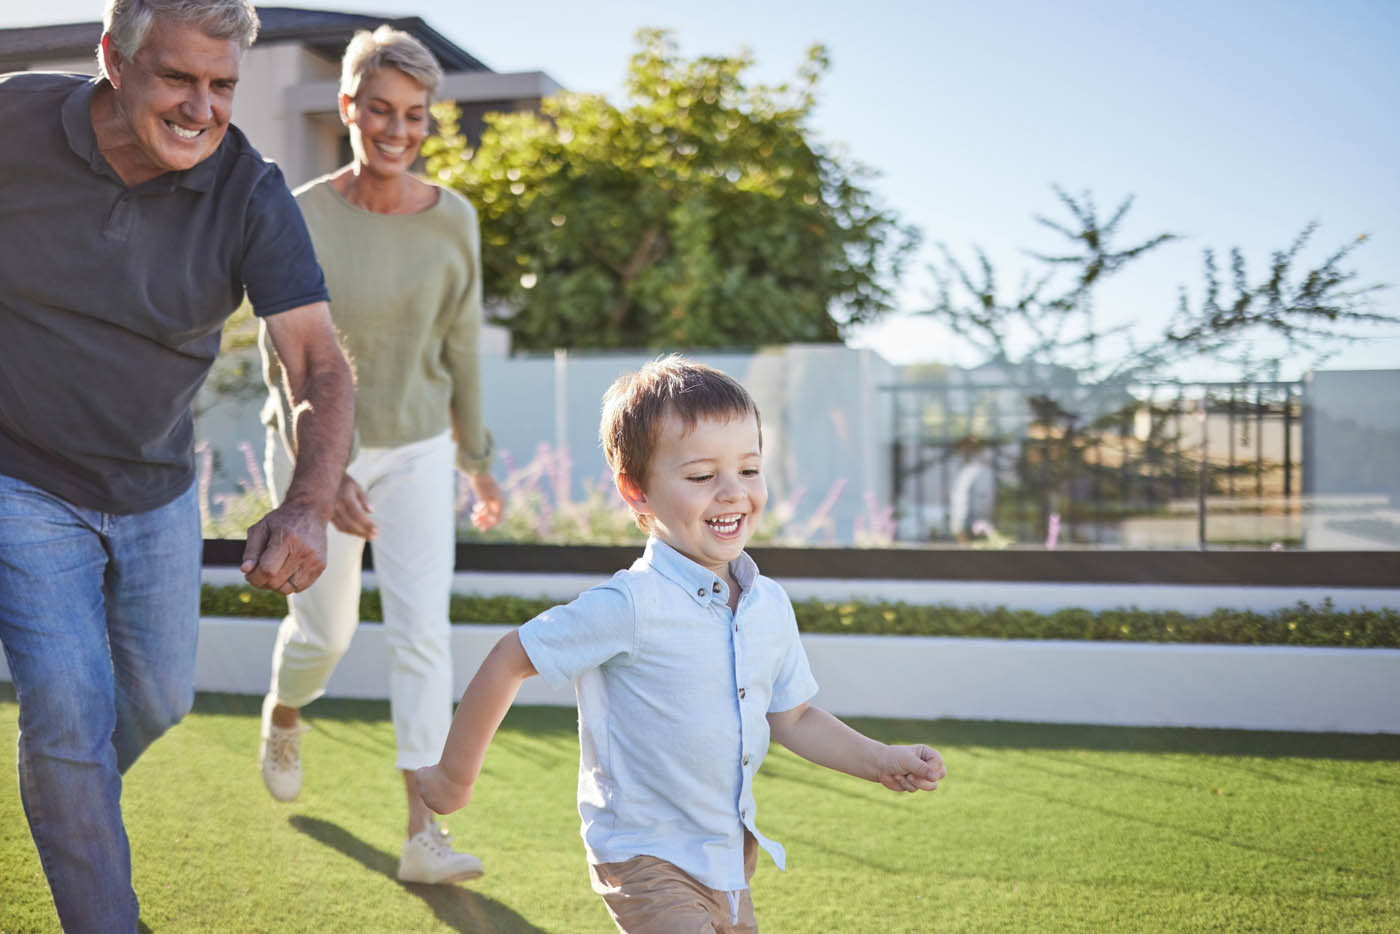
(401, 260)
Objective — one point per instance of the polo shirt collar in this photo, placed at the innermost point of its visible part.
(697, 581)
(82, 139)
(77, 124)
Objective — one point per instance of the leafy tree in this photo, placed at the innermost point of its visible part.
(1310, 310)
(700, 214)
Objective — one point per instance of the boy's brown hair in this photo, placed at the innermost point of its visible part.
(636, 404)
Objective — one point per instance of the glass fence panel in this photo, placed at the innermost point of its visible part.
(859, 453)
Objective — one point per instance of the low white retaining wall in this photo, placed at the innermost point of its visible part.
(1112, 683)
(1115, 683)
(235, 655)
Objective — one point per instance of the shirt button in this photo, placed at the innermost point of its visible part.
(716, 587)
(746, 761)
(736, 627)
(744, 814)
(700, 592)
(742, 692)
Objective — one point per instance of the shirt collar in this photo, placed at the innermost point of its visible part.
(77, 123)
(82, 139)
(699, 582)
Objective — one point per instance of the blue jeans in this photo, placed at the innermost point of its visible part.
(99, 615)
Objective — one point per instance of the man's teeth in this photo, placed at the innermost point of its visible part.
(182, 132)
(724, 524)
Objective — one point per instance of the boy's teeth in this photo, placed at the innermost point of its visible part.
(724, 525)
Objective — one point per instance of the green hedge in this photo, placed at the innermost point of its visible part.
(1302, 624)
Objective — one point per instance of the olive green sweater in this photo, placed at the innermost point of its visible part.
(406, 300)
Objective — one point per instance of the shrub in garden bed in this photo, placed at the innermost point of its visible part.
(1302, 624)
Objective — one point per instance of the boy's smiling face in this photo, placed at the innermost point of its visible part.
(705, 489)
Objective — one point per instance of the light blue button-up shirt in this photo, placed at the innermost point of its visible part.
(673, 695)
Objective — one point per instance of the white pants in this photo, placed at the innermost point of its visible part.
(411, 488)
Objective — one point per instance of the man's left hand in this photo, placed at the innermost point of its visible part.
(286, 550)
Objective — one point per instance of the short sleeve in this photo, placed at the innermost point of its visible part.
(595, 628)
(280, 271)
(794, 683)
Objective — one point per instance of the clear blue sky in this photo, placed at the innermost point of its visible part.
(1231, 123)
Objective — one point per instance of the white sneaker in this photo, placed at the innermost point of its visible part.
(428, 857)
(279, 755)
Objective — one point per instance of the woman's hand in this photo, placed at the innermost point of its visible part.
(352, 509)
(490, 504)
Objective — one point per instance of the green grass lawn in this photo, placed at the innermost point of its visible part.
(1038, 828)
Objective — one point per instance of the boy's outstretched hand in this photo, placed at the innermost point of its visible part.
(439, 792)
(910, 768)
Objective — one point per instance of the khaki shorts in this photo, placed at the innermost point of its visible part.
(646, 895)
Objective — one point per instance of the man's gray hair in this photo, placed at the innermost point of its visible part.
(128, 22)
(386, 46)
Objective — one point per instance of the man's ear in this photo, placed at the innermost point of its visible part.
(631, 493)
(112, 60)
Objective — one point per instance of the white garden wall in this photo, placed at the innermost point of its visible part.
(1125, 684)
(1130, 684)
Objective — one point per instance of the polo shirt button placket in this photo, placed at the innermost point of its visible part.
(118, 224)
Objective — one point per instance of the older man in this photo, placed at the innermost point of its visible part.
(133, 218)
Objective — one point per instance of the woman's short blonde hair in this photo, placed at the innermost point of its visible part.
(386, 46)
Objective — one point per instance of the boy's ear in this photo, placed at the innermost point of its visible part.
(631, 493)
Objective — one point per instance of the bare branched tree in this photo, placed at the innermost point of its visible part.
(1309, 310)
(1314, 313)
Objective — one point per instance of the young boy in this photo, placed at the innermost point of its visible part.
(683, 665)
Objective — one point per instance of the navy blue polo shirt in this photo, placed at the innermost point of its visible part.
(112, 298)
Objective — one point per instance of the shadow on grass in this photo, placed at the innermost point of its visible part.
(1361, 747)
(457, 907)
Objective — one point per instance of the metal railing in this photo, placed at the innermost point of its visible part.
(1142, 465)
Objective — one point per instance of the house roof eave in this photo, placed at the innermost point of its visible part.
(327, 32)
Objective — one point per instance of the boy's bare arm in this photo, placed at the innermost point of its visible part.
(447, 786)
(818, 737)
